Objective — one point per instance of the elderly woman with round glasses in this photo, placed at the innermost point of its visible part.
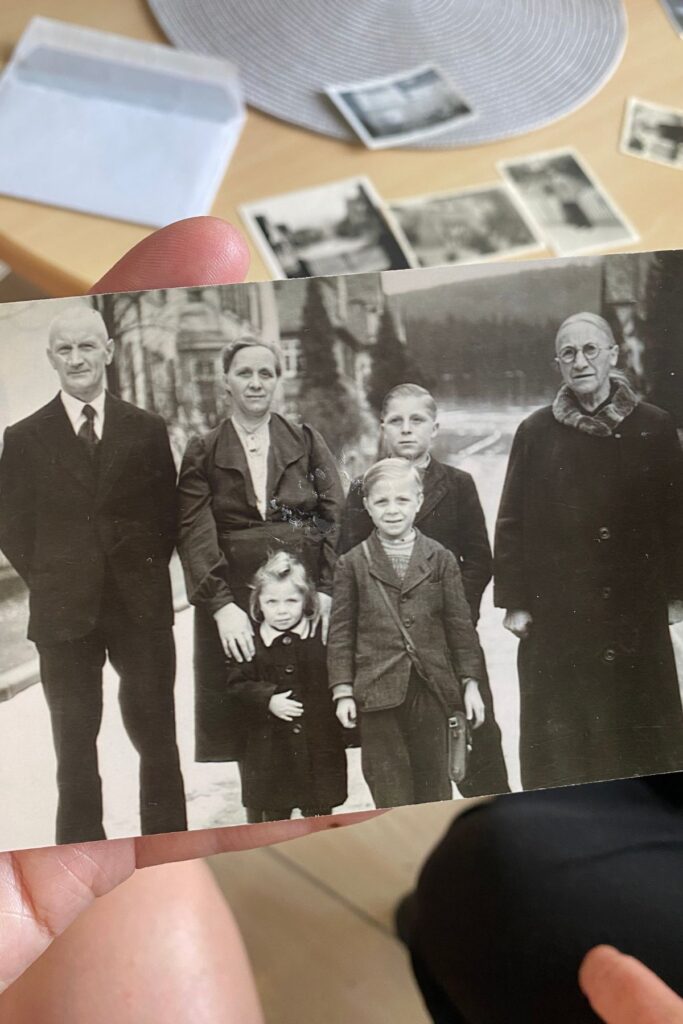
(255, 484)
(589, 567)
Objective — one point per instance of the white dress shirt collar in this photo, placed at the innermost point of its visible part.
(302, 629)
(74, 410)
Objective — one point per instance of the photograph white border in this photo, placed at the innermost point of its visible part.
(673, 21)
(249, 210)
(626, 124)
(631, 237)
(520, 250)
(334, 92)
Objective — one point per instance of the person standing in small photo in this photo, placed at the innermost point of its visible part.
(293, 750)
(402, 650)
(451, 514)
(87, 519)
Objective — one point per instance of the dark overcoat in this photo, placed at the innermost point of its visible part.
(223, 540)
(364, 645)
(589, 540)
(451, 514)
(288, 764)
(67, 528)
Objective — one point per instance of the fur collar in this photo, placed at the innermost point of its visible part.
(567, 410)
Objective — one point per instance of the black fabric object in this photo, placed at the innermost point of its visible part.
(518, 891)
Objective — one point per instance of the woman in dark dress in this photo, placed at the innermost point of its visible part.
(255, 484)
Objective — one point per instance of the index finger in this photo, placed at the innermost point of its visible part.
(622, 990)
(186, 845)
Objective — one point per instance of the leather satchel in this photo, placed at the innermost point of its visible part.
(459, 736)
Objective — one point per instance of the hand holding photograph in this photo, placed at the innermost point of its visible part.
(246, 543)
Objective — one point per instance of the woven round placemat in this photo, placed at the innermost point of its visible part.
(520, 63)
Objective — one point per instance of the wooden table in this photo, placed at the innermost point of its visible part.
(64, 252)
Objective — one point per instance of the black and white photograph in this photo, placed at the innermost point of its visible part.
(466, 226)
(300, 547)
(571, 209)
(341, 227)
(674, 12)
(653, 132)
(402, 108)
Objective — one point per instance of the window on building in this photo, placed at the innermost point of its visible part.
(291, 357)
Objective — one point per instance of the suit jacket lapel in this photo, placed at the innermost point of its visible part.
(419, 566)
(57, 434)
(285, 448)
(435, 489)
(117, 437)
(380, 567)
(230, 455)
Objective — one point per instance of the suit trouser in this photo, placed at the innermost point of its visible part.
(404, 750)
(71, 673)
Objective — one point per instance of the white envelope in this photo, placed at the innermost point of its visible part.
(113, 126)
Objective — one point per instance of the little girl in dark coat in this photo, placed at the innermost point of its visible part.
(293, 752)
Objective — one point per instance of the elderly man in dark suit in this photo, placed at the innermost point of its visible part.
(589, 567)
(87, 519)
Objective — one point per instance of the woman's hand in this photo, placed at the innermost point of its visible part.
(474, 705)
(675, 612)
(283, 706)
(236, 632)
(518, 622)
(346, 712)
(621, 990)
(324, 608)
(42, 891)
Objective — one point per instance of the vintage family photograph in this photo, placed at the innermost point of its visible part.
(342, 227)
(312, 546)
(653, 132)
(401, 108)
(572, 210)
(468, 226)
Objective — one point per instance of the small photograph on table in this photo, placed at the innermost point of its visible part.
(342, 227)
(469, 226)
(674, 11)
(570, 208)
(653, 132)
(401, 108)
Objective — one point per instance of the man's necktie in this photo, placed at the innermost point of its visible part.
(87, 430)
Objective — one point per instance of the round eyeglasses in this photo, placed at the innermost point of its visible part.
(590, 351)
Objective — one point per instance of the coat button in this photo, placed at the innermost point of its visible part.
(604, 533)
(404, 597)
(296, 729)
(609, 654)
(289, 669)
(408, 621)
(606, 593)
(287, 640)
